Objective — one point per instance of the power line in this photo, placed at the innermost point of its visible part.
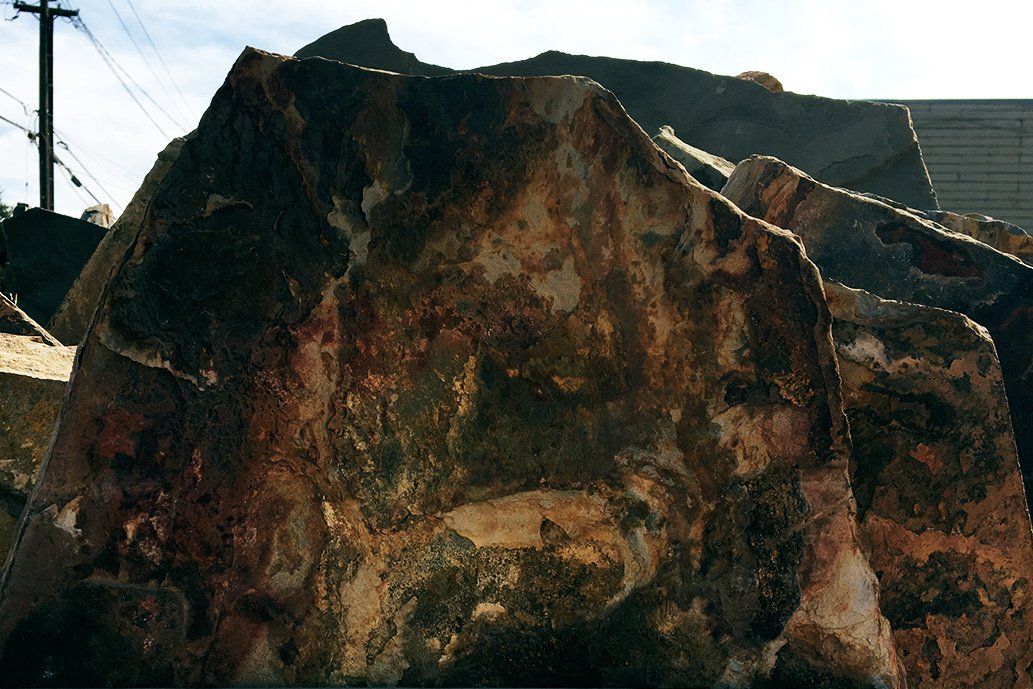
(109, 62)
(75, 181)
(87, 172)
(147, 35)
(146, 60)
(123, 172)
(76, 185)
(114, 65)
(25, 106)
(28, 131)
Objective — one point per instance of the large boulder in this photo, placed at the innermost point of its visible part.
(448, 381)
(865, 243)
(939, 491)
(855, 144)
(45, 252)
(709, 170)
(33, 377)
(73, 315)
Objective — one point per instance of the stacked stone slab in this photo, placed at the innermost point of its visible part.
(867, 244)
(445, 381)
(855, 144)
(940, 500)
(709, 170)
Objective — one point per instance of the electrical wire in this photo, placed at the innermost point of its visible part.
(73, 179)
(87, 172)
(18, 126)
(115, 68)
(147, 35)
(26, 108)
(146, 60)
(124, 173)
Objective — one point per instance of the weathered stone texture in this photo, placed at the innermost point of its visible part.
(709, 170)
(1001, 235)
(768, 81)
(864, 243)
(855, 144)
(938, 488)
(101, 214)
(33, 375)
(445, 381)
(73, 315)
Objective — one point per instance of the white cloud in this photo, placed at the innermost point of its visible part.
(840, 48)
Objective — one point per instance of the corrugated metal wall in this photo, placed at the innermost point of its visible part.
(979, 154)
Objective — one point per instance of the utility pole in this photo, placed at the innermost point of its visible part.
(45, 141)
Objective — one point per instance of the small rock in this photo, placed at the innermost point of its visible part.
(764, 79)
(99, 215)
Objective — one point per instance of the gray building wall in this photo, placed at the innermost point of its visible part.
(979, 154)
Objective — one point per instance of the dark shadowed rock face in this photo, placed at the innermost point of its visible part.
(890, 252)
(367, 43)
(938, 488)
(445, 381)
(45, 252)
(73, 315)
(709, 170)
(854, 144)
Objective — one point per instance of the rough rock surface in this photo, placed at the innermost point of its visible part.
(33, 376)
(45, 252)
(709, 170)
(999, 234)
(855, 144)
(938, 488)
(864, 243)
(14, 321)
(764, 79)
(79, 304)
(446, 381)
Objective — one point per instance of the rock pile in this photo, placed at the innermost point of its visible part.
(464, 380)
(855, 144)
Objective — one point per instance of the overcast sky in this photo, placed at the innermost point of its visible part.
(842, 48)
